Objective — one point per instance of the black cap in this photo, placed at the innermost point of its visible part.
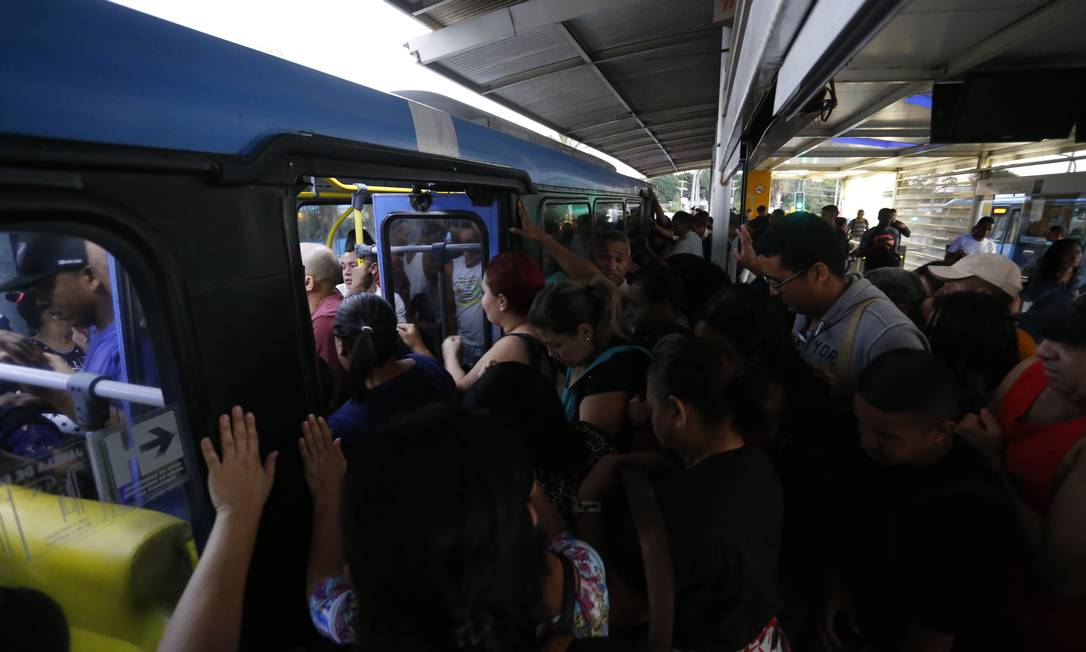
(1065, 323)
(41, 255)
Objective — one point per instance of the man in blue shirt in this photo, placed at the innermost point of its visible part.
(72, 275)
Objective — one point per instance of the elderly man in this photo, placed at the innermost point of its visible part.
(322, 274)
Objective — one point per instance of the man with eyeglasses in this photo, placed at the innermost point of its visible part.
(842, 322)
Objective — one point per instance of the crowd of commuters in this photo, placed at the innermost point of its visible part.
(839, 462)
(836, 462)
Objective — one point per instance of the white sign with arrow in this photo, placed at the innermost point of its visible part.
(145, 460)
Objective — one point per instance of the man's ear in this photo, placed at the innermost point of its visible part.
(310, 283)
(944, 431)
(89, 276)
(821, 272)
(681, 412)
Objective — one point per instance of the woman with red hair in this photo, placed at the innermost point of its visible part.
(510, 283)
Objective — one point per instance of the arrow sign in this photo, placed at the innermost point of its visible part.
(162, 439)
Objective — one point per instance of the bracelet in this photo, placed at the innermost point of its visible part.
(587, 507)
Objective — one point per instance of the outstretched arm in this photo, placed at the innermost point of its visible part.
(325, 467)
(571, 263)
(208, 616)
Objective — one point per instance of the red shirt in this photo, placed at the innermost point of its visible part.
(324, 318)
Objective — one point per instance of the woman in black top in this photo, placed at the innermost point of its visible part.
(722, 511)
(578, 321)
(510, 284)
(47, 331)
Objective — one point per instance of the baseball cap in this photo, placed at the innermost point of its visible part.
(998, 270)
(41, 255)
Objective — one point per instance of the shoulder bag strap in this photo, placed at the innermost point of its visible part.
(844, 357)
(655, 554)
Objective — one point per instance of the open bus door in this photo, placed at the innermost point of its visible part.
(432, 249)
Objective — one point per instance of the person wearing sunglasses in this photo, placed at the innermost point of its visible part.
(842, 322)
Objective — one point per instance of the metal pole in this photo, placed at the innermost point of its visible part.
(106, 389)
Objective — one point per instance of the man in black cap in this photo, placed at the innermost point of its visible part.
(72, 276)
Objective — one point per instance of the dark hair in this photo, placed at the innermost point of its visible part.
(973, 334)
(902, 287)
(701, 218)
(702, 374)
(1056, 228)
(776, 215)
(801, 241)
(985, 222)
(886, 215)
(523, 397)
(934, 282)
(1049, 267)
(682, 217)
(761, 207)
(32, 622)
(517, 276)
(660, 284)
(840, 221)
(612, 236)
(830, 207)
(909, 381)
(563, 306)
(366, 324)
(445, 493)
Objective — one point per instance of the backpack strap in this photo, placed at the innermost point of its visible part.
(570, 392)
(655, 555)
(844, 351)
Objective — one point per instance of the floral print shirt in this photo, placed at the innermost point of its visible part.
(333, 607)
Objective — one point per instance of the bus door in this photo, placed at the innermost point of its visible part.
(431, 252)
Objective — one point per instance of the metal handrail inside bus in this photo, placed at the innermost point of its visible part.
(83, 383)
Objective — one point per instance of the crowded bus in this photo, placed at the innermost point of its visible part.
(378, 373)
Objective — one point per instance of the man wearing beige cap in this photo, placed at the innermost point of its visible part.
(990, 274)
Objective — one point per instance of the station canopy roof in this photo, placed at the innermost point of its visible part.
(883, 114)
(635, 79)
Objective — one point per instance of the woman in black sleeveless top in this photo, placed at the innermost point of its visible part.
(510, 283)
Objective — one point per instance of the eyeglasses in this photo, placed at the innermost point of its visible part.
(776, 285)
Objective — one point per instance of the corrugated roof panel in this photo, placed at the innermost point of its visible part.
(644, 21)
(511, 56)
(564, 98)
(447, 12)
(672, 79)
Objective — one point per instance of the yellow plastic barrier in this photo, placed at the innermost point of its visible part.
(116, 571)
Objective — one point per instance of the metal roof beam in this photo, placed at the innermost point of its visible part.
(882, 75)
(503, 23)
(583, 53)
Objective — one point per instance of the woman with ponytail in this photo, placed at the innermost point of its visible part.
(579, 323)
(383, 378)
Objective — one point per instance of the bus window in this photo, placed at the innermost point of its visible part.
(94, 494)
(316, 221)
(609, 216)
(571, 225)
(439, 290)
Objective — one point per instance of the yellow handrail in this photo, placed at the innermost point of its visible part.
(342, 186)
(335, 227)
